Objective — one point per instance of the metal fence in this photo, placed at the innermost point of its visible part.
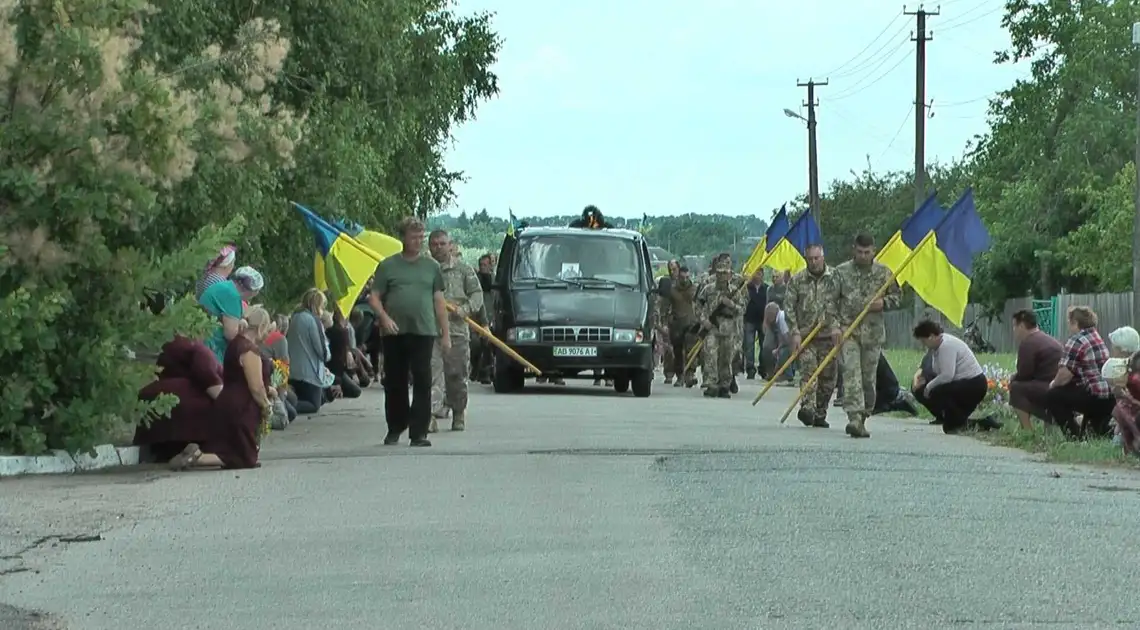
(1113, 310)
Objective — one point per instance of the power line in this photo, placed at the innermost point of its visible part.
(965, 22)
(865, 48)
(859, 88)
(877, 56)
(898, 131)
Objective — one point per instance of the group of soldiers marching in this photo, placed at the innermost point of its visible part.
(709, 310)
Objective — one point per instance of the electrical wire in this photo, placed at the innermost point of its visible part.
(865, 48)
(898, 131)
(860, 88)
(870, 62)
(965, 22)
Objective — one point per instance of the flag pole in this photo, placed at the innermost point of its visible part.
(853, 326)
(791, 359)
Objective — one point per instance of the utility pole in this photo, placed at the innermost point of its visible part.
(813, 154)
(1136, 212)
(920, 38)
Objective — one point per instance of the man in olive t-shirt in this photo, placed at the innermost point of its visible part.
(407, 296)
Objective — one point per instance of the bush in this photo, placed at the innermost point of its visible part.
(96, 143)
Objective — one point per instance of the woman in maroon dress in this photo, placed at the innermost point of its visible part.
(237, 417)
(190, 372)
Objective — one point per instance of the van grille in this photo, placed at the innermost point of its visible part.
(570, 334)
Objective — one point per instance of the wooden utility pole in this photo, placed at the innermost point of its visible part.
(813, 154)
(920, 38)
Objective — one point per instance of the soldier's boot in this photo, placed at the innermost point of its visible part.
(806, 416)
(820, 420)
(668, 380)
(733, 387)
(679, 382)
(711, 392)
(724, 392)
(856, 427)
(750, 374)
(458, 420)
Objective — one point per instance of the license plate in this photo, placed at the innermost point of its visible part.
(575, 351)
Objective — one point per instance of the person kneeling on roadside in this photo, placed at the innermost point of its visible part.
(229, 436)
(959, 384)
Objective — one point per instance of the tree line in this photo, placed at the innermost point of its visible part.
(683, 235)
(138, 140)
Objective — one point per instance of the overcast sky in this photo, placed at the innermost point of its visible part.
(667, 107)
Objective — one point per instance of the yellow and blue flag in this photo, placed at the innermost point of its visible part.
(928, 217)
(775, 233)
(346, 257)
(788, 255)
(513, 224)
(942, 268)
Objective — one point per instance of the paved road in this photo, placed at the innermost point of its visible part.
(578, 508)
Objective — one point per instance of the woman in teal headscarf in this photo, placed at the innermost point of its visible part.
(224, 301)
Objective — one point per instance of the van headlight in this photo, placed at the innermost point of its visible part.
(522, 334)
(628, 335)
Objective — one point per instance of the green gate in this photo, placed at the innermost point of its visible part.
(1046, 311)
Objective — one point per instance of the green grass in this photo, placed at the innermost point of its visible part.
(1044, 440)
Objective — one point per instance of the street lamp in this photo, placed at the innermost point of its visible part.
(813, 159)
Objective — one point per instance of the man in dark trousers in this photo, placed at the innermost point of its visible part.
(754, 322)
(407, 297)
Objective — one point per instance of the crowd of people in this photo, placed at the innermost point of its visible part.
(412, 327)
(748, 327)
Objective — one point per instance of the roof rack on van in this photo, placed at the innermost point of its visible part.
(591, 219)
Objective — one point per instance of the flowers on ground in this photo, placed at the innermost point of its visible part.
(997, 393)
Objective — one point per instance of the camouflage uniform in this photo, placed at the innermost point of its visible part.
(722, 342)
(857, 285)
(661, 324)
(449, 369)
(811, 299)
(677, 313)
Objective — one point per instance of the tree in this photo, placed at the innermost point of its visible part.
(97, 140)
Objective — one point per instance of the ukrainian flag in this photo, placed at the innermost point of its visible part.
(513, 224)
(942, 268)
(788, 255)
(928, 216)
(775, 233)
(344, 260)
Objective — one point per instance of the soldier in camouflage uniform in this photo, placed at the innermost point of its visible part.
(449, 369)
(678, 315)
(812, 297)
(720, 303)
(859, 280)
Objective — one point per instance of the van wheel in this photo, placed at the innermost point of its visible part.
(621, 383)
(506, 378)
(642, 381)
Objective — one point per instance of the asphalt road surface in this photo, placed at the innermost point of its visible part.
(579, 508)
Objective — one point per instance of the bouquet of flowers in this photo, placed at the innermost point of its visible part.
(997, 393)
(280, 374)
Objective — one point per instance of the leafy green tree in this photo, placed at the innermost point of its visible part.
(97, 139)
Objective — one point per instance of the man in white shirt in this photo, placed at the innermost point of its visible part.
(958, 385)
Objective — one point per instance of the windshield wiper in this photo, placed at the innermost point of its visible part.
(545, 279)
(620, 284)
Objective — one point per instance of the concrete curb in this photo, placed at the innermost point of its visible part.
(61, 462)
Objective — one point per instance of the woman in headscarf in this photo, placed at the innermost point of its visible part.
(217, 270)
(189, 371)
(224, 301)
(1121, 373)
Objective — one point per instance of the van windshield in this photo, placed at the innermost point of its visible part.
(570, 257)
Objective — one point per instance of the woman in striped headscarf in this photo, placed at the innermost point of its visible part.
(217, 270)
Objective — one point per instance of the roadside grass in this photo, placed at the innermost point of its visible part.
(1045, 440)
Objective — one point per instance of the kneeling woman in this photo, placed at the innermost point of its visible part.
(959, 385)
(230, 434)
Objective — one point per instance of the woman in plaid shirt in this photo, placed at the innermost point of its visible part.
(1079, 386)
